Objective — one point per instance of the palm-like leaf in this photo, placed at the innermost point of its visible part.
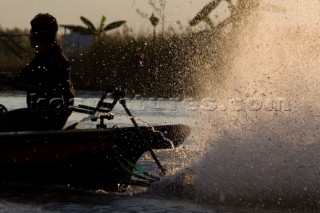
(114, 25)
(77, 29)
(102, 22)
(89, 24)
(204, 12)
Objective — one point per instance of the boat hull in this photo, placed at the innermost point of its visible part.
(81, 158)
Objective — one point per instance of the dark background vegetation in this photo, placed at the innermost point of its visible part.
(146, 66)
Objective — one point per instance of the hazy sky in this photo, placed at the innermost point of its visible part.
(296, 12)
(18, 13)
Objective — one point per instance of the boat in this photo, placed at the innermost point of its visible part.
(98, 158)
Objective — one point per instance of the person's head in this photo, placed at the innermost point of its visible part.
(44, 29)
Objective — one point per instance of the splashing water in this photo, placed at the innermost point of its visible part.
(261, 141)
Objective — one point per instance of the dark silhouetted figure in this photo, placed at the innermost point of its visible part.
(46, 79)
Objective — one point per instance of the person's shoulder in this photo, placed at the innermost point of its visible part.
(60, 56)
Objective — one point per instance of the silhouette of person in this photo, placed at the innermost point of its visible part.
(46, 79)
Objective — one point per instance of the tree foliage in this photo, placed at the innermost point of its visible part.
(90, 29)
